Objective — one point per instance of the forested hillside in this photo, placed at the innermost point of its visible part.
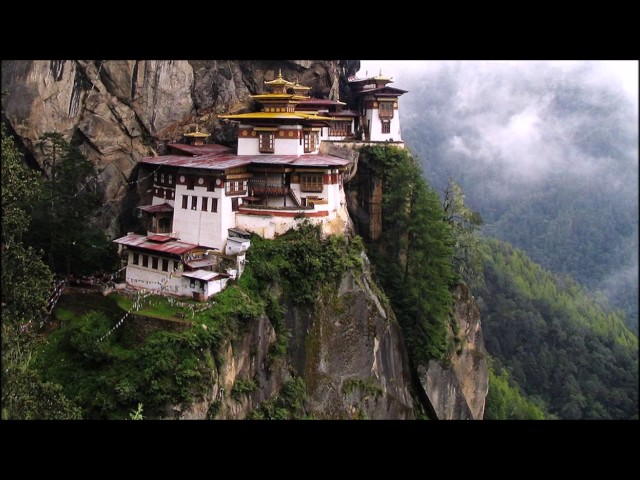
(548, 154)
(572, 357)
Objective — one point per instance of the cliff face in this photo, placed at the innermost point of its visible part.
(458, 391)
(118, 111)
(347, 348)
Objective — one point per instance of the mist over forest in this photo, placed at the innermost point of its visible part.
(547, 152)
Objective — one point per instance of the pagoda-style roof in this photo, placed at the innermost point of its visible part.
(279, 81)
(298, 116)
(197, 134)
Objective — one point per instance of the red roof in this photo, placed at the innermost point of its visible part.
(165, 207)
(223, 162)
(381, 90)
(199, 149)
(160, 238)
(142, 242)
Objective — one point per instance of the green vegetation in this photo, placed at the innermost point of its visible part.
(558, 343)
(243, 386)
(413, 256)
(505, 402)
(26, 286)
(367, 386)
(288, 405)
(109, 378)
(61, 225)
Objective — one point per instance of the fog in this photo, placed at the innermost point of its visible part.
(510, 130)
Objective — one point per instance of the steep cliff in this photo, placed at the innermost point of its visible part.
(118, 111)
(347, 348)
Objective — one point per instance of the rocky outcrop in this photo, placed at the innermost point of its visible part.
(458, 390)
(355, 363)
(347, 348)
(118, 111)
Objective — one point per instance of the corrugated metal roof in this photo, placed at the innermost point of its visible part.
(164, 207)
(174, 247)
(204, 275)
(202, 263)
(223, 161)
(389, 90)
(200, 149)
(160, 238)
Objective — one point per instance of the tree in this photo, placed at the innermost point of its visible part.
(413, 254)
(26, 285)
(464, 230)
(61, 224)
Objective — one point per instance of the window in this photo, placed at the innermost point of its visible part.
(214, 205)
(162, 178)
(386, 127)
(154, 263)
(165, 265)
(185, 200)
(192, 282)
(145, 261)
(340, 129)
(170, 179)
(136, 258)
(311, 183)
(194, 202)
(385, 110)
(201, 284)
(175, 265)
(234, 204)
(236, 187)
(155, 177)
(310, 142)
(266, 142)
(204, 204)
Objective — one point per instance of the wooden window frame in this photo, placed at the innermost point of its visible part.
(214, 205)
(185, 201)
(136, 258)
(312, 182)
(154, 263)
(194, 202)
(204, 205)
(266, 142)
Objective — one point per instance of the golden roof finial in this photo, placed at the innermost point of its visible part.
(280, 73)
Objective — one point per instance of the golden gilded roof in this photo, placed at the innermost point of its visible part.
(274, 115)
(280, 81)
(197, 134)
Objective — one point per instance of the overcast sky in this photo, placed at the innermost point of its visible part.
(509, 129)
(621, 72)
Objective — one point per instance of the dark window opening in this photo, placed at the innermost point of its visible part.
(185, 201)
(194, 202)
(145, 261)
(154, 263)
(386, 127)
(165, 265)
(136, 258)
(214, 205)
(234, 204)
(204, 204)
